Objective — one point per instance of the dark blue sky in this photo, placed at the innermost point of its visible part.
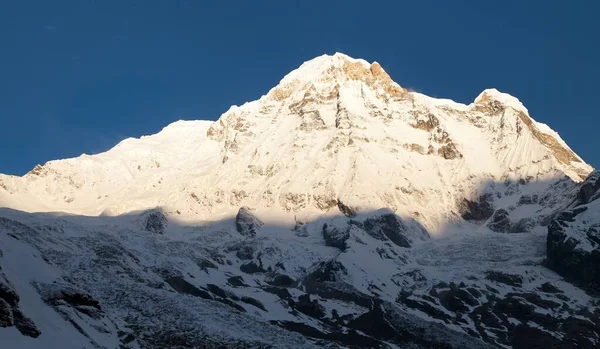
(79, 76)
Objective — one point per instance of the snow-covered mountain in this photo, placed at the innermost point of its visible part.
(335, 129)
(337, 210)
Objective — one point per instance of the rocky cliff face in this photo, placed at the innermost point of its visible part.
(338, 210)
(574, 238)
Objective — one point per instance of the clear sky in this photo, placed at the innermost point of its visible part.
(79, 76)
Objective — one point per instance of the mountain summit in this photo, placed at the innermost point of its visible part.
(339, 210)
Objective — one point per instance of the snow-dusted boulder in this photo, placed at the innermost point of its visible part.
(335, 236)
(246, 223)
(500, 221)
(155, 222)
(393, 228)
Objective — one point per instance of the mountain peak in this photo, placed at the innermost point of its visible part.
(492, 94)
(337, 69)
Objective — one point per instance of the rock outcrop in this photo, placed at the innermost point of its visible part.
(11, 314)
(573, 241)
(247, 223)
(336, 236)
(393, 228)
(477, 210)
(156, 222)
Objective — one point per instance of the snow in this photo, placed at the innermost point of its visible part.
(56, 332)
(329, 140)
(313, 70)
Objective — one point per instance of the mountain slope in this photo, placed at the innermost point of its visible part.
(337, 210)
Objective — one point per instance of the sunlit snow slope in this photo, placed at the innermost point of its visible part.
(335, 129)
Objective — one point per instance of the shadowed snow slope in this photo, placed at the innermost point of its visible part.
(337, 210)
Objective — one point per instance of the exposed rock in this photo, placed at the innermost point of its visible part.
(324, 201)
(236, 281)
(528, 200)
(217, 130)
(60, 295)
(448, 151)
(426, 122)
(254, 302)
(10, 314)
(346, 210)
(561, 153)
(505, 278)
(309, 307)
(280, 280)
(246, 223)
(180, 285)
(565, 254)
(336, 237)
(350, 338)
(25, 325)
(373, 76)
(502, 320)
(525, 337)
(389, 226)
(328, 271)
(292, 201)
(300, 228)
(414, 147)
(580, 333)
(252, 268)
(536, 300)
(282, 293)
(311, 121)
(37, 170)
(454, 298)
(423, 306)
(218, 291)
(155, 222)
(6, 315)
(500, 221)
(479, 210)
(8, 294)
(487, 104)
(301, 231)
(549, 288)
(524, 225)
(245, 252)
(589, 188)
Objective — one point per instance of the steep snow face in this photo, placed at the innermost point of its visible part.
(337, 130)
